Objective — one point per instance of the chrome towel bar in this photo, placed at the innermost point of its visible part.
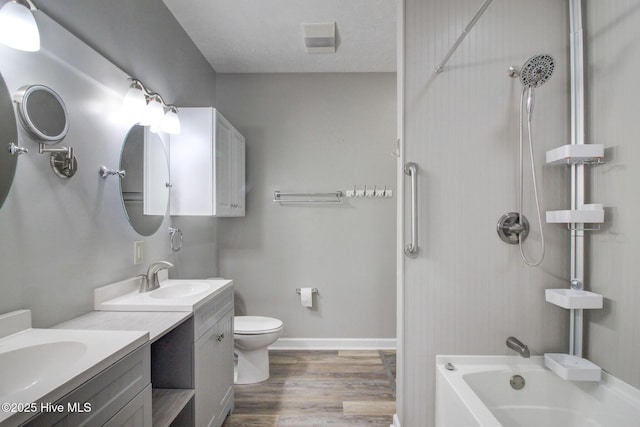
(281, 197)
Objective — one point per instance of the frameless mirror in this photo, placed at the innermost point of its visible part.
(145, 188)
(42, 113)
(9, 134)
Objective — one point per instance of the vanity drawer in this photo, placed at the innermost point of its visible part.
(137, 413)
(207, 315)
(100, 398)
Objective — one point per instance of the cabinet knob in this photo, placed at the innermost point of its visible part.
(220, 337)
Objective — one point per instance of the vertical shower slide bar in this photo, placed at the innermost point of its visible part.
(577, 170)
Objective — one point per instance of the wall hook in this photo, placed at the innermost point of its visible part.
(104, 172)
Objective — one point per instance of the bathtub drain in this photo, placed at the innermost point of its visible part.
(517, 382)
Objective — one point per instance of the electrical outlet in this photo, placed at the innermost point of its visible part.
(138, 252)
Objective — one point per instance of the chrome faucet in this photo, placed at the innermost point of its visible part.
(150, 281)
(517, 345)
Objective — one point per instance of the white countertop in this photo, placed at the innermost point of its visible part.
(157, 323)
(42, 365)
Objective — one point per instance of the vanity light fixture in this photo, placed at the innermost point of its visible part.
(18, 27)
(148, 109)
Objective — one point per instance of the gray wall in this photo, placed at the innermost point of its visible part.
(613, 31)
(468, 291)
(62, 238)
(144, 39)
(314, 133)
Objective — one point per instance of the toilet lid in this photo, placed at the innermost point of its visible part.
(255, 324)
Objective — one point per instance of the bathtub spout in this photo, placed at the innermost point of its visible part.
(517, 345)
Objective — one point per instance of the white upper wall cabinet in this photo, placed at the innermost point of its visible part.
(207, 165)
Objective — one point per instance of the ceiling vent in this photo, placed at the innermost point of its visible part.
(320, 37)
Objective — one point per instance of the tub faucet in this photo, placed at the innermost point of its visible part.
(517, 345)
(150, 280)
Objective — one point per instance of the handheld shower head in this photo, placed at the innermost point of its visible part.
(537, 70)
(534, 73)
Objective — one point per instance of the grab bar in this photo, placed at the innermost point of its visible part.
(411, 250)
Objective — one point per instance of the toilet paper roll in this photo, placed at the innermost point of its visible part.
(306, 297)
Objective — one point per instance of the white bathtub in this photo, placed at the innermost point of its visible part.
(478, 393)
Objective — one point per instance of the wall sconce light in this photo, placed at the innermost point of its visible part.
(18, 28)
(148, 109)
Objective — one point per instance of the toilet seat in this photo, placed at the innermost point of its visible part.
(255, 325)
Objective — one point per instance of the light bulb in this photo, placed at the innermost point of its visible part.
(171, 122)
(155, 113)
(18, 28)
(135, 104)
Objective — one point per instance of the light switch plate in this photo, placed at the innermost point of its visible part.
(138, 252)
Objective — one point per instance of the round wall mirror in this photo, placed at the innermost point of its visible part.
(9, 134)
(42, 113)
(145, 188)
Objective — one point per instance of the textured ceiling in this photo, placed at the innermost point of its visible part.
(265, 36)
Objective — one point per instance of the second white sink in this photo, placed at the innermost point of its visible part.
(173, 295)
(180, 290)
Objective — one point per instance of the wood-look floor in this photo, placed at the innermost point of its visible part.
(317, 388)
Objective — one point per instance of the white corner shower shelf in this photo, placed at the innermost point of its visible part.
(572, 368)
(574, 154)
(573, 299)
(589, 214)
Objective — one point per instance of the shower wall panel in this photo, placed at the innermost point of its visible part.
(467, 291)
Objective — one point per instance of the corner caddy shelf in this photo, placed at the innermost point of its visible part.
(577, 154)
(568, 366)
(572, 368)
(573, 299)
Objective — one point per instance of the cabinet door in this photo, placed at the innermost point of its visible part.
(191, 164)
(206, 407)
(224, 165)
(214, 373)
(238, 179)
(223, 375)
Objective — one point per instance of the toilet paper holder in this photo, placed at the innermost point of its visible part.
(313, 291)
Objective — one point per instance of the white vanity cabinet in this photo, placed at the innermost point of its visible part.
(207, 165)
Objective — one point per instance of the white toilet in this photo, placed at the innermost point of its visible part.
(252, 336)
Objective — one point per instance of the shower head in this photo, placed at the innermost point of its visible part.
(537, 70)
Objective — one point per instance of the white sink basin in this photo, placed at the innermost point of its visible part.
(180, 290)
(43, 365)
(42, 359)
(173, 295)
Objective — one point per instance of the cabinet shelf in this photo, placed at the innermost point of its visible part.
(576, 154)
(168, 403)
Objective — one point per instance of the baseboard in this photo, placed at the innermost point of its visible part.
(396, 421)
(334, 344)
